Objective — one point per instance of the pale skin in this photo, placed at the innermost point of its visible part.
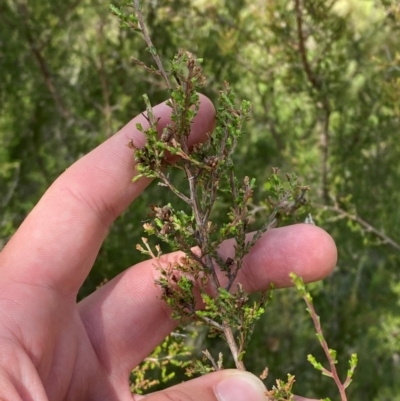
(52, 348)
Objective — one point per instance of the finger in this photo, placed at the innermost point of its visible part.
(126, 318)
(304, 249)
(225, 385)
(59, 240)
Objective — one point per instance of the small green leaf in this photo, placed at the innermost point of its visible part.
(333, 354)
(115, 10)
(153, 50)
(353, 361)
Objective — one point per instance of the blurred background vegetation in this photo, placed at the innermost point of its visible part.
(324, 79)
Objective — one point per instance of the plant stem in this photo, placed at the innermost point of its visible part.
(230, 339)
(201, 209)
(325, 347)
(149, 42)
(367, 226)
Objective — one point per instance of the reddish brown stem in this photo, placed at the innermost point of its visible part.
(325, 347)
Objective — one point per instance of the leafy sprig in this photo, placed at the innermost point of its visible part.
(209, 171)
(330, 353)
(202, 286)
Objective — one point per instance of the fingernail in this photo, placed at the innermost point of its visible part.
(240, 386)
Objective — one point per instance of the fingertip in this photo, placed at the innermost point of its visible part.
(223, 385)
(304, 249)
(239, 386)
(322, 253)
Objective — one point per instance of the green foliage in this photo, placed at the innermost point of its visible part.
(282, 391)
(67, 83)
(209, 170)
(161, 366)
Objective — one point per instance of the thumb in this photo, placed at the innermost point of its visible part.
(225, 385)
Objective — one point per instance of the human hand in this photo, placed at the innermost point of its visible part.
(55, 349)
